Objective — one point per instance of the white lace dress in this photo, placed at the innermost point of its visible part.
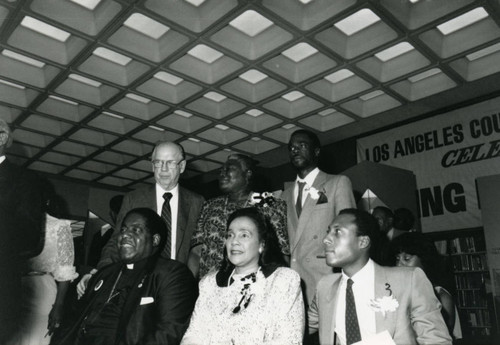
(275, 314)
(55, 263)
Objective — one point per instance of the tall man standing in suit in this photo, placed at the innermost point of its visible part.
(168, 163)
(313, 200)
(395, 305)
(21, 234)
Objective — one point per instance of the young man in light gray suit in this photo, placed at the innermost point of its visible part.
(322, 197)
(395, 305)
(168, 163)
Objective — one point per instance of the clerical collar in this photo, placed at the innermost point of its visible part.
(2, 158)
(130, 266)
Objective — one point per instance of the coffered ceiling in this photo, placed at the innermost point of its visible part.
(90, 85)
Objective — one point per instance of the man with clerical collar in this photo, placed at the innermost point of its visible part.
(313, 200)
(142, 299)
(178, 207)
(368, 302)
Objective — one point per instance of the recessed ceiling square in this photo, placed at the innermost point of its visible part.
(357, 22)
(293, 96)
(45, 29)
(112, 56)
(145, 25)
(462, 21)
(394, 51)
(299, 52)
(205, 53)
(251, 23)
(253, 76)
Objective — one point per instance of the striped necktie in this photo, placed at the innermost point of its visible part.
(166, 214)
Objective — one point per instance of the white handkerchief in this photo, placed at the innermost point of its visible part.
(147, 300)
(382, 338)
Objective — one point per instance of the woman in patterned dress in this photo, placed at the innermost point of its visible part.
(235, 181)
(252, 299)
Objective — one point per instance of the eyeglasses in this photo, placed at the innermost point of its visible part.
(158, 164)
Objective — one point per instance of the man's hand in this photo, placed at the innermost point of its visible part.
(82, 284)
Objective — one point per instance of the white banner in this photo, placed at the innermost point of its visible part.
(446, 153)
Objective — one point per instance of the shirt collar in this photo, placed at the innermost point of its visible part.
(363, 276)
(2, 159)
(161, 191)
(309, 179)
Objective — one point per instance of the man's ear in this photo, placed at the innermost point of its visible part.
(182, 166)
(156, 240)
(364, 241)
(317, 151)
(249, 174)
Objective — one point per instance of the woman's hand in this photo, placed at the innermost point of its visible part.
(55, 317)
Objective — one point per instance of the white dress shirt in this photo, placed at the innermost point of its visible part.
(174, 207)
(309, 180)
(362, 295)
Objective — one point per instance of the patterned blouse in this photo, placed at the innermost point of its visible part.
(274, 315)
(58, 254)
(211, 230)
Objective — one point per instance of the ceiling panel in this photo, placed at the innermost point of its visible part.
(90, 86)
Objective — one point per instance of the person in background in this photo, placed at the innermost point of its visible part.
(21, 234)
(404, 221)
(383, 254)
(102, 237)
(235, 181)
(47, 277)
(142, 299)
(313, 200)
(369, 302)
(415, 250)
(179, 207)
(385, 219)
(252, 298)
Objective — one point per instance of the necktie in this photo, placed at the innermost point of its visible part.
(352, 332)
(166, 214)
(298, 203)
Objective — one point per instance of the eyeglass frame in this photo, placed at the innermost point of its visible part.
(171, 164)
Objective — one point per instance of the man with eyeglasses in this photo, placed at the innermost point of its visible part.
(168, 162)
(21, 231)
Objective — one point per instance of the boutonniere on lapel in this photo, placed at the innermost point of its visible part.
(386, 303)
(315, 194)
(264, 199)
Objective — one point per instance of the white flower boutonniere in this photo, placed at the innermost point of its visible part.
(385, 304)
(264, 199)
(315, 194)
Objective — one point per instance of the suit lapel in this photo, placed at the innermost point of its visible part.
(331, 307)
(291, 213)
(308, 207)
(387, 321)
(183, 210)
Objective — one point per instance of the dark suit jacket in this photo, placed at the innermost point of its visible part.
(157, 309)
(188, 212)
(21, 232)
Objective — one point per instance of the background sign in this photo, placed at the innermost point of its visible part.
(446, 153)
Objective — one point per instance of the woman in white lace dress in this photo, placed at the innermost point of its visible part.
(252, 299)
(46, 280)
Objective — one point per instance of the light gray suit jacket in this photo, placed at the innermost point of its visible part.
(417, 320)
(307, 232)
(188, 212)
